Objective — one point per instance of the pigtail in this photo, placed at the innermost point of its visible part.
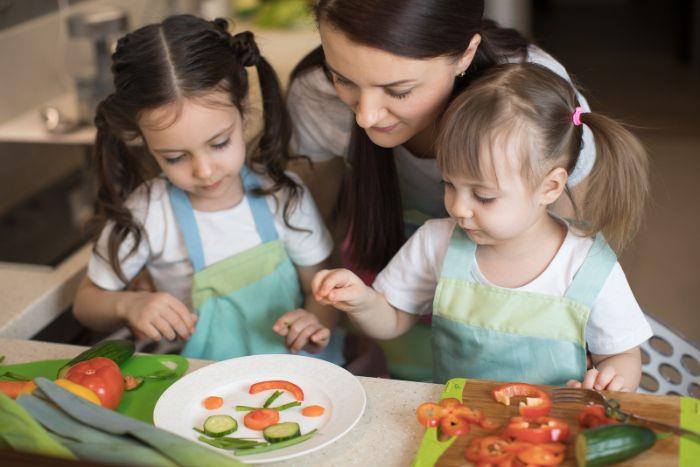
(618, 185)
(272, 151)
(118, 174)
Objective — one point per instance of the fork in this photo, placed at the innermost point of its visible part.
(612, 409)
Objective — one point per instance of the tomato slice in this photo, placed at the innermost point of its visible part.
(593, 415)
(537, 430)
(454, 425)
(313, 411)
(543, 454)
(429, 414)
(537, 403)
(261, 419)
(278, 384)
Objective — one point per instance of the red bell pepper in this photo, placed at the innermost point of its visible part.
(543, 454)
(429, 414)
(454, 425)
(537, 403)
(489, 450)
(102, 376)
(278, 384)
(537, 430)
(594, 415)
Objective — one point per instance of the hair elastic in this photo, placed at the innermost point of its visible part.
(577, 116)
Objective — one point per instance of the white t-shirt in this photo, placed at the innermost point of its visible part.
(223, 234)
(616, 322)
(322, 129)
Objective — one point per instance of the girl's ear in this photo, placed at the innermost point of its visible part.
(466, 59)
(552, 186)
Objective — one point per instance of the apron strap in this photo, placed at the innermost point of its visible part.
(593, 273)
(262, 216)
(184, 215)
(459, 257)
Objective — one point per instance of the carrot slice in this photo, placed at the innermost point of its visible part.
(312, 411)
(261, 419)
(213, 402)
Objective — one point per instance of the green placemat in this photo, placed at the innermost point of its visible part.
(690, 418)
(431, 448)
(138, 403)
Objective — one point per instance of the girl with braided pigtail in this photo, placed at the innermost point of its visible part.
(229, 238)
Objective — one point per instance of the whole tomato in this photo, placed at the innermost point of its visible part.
(102, 376)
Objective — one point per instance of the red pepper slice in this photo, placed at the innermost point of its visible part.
(543, 454)
(429, 414)
(488, 449)
(537, 402)
(537, 430)
(594, 415)
(278, 384)
(453, 425)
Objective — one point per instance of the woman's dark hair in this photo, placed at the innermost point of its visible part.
(159, 64)
(417, 29)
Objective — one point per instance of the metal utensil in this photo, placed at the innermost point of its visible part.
(612, 409)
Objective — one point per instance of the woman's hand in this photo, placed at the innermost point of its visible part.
(342, 289)
(157, 315)
(302, 330)
(607, 378)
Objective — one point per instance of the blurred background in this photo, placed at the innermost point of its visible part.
(637, 60)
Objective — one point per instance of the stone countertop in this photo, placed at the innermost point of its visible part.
(386, 435)
(32, 296)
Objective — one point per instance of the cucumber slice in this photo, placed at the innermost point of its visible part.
(281, 432)
(217, 426)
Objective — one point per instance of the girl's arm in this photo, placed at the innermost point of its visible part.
(149, 314)
(618, 372)
(366, 307)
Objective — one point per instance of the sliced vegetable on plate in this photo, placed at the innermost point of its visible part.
(260, 419)
(295, 390)
(213, 402)
(313, 411)
(217, 426)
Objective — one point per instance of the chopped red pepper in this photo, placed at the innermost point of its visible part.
(594, 415)
(543, 454)
(489, 450)
(429, 414)
(537, 430)
(537, 403)
(454, 425)
(278, 384)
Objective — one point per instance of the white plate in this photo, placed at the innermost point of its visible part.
(179, 408)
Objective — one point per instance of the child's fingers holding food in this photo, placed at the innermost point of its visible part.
(330, 281)
(285, 321)
(589, 379)
(572, 383)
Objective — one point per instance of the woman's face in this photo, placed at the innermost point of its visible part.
(394, 98)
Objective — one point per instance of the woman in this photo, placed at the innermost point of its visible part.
(369, 99)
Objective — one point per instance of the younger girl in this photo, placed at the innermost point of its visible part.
(230, 241)
(516, 294)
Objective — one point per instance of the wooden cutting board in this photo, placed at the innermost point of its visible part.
(477, 395)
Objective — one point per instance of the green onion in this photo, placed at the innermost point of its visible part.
(244, 451)
(271, 399)
(286, 406)
(245, 408)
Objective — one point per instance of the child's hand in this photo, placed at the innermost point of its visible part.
(302, 330)
(340, 288)
(606, 378)
(157, 314)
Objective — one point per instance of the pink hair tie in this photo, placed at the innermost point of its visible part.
(577, 116)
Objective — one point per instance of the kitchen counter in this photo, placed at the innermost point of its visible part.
(32, 296)
(386, 435)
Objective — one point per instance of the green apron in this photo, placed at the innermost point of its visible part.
(239, 298)
(488, 332)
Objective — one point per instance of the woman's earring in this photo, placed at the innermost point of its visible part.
(461, 75)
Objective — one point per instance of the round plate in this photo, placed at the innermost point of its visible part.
(180, 408)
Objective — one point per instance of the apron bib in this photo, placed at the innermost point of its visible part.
(488, 332)
(238, 299)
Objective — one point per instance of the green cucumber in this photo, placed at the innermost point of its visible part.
(281, 432)
(217, 426)
(118, 350)
(611, 444)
